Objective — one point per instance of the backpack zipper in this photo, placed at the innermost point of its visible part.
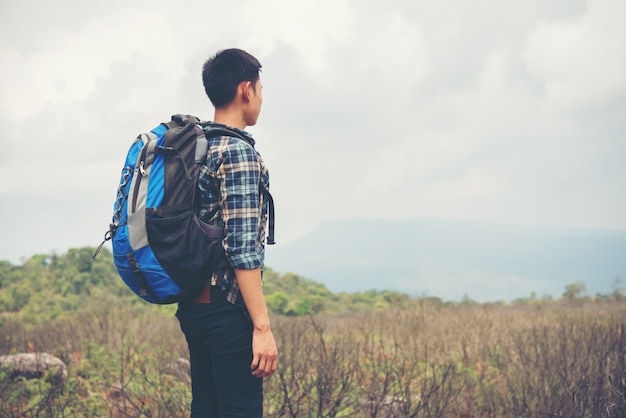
(142, 172)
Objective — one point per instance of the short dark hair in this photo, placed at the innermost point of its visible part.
(223, 72)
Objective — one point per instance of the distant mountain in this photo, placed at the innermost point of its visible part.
(449, 259)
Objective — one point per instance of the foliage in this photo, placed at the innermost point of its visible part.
(49, 286)
(521, 360)
(369, 354)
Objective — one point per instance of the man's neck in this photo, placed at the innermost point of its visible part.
(229, 118)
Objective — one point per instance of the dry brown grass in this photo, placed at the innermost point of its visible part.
(552, 359)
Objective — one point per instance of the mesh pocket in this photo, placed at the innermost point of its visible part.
(188, 252)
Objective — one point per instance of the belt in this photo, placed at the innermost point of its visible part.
(207, 293)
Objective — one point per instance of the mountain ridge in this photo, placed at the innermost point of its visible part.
(454, 259)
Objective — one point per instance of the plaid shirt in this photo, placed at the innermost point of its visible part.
(230, 197)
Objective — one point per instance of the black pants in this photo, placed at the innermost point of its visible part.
(219, 336)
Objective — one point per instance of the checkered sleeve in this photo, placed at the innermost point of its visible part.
(240, 208)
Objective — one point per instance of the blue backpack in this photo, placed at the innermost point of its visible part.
(161, 249)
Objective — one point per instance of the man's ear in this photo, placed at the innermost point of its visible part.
(246, 90)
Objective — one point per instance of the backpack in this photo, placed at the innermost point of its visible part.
(161, 249)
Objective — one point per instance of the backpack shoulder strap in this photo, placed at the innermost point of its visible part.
(215, 132)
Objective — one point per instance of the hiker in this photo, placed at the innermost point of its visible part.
(227, 325)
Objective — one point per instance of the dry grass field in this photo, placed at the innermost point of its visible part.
(531, 359)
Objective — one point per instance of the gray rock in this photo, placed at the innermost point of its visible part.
(33, 365)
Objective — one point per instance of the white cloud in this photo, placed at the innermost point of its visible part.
(581, 61)
(498, 110)
(309, 26)
(70, 64)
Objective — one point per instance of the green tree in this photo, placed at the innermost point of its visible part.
(19, 297)
(574, 290)
(277, 302)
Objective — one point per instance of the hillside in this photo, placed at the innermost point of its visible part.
(51, 286)
(48, 286)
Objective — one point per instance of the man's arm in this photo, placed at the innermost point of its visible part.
(241, 212)
(264, 351)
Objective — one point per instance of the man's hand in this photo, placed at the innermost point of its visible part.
(265, 354)
(264, 351)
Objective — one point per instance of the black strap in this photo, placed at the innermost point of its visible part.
(216, 132)
(270, 207)
(144, 287)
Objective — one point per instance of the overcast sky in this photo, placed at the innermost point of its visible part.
(488, 110)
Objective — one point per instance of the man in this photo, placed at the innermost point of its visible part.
(227, 327)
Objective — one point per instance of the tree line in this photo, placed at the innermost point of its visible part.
(47, 286)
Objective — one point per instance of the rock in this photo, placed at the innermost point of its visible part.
(33, 365)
